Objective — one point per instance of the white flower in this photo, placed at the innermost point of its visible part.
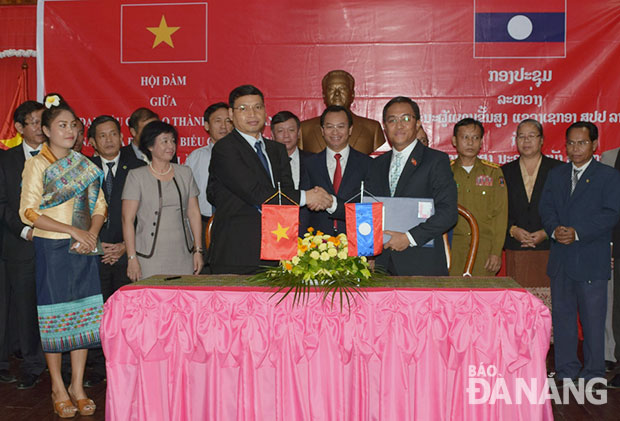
(324, 256)
(295, 260)
(52, 100)
(315, 255)
(322, 247)
(342, 255)
(332, 252)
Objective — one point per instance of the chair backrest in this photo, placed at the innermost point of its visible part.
(208, 231)
(473, 244)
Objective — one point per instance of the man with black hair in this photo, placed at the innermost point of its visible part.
(217, 124)
(245, 171)
(18, 289)
(285, 128)
(579, 207)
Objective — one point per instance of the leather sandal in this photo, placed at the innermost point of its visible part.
(85, 406)
(64, 409)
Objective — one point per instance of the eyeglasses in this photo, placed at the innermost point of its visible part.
(580, 143)
(405, 118)
(530, 136)
(246, 108)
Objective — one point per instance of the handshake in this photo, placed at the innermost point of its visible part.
(317, 199)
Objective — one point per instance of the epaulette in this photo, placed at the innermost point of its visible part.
(489, 164)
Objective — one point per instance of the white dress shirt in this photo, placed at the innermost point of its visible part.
(139, 153)
(199, 161)
(294, 159)
(106, 169)
(331, 169)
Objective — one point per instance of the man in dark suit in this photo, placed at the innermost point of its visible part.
(105, 135)
(339, 89)
(245, 171)
(579, 207)
(413, 170)
(285, 128)
(338, 168)
(18, 250)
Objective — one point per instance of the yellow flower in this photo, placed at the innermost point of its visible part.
(324, 256)
(322, 247)
(364, 259)
(303, 248)
(342, 254)
(332, 252)
(319, 233)
(315, 255)
(295, 260)
(310, 229)
(287, 265)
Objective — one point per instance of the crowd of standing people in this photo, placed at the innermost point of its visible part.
(75, 229)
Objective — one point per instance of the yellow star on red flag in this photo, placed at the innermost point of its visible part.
(163, 32)
(280, 232)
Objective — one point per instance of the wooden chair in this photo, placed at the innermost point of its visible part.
(208, 232)
(473, 245)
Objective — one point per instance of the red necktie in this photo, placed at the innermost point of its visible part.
(336, 183)
(337, 174)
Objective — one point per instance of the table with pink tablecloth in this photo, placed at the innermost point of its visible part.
(230, 353)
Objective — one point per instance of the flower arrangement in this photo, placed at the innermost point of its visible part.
(322, 262)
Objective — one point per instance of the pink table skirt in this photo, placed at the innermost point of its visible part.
(232, 354)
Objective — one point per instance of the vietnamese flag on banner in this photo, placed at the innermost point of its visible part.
(524, 28)
(164, 33)
(364, 228)
(279, 229)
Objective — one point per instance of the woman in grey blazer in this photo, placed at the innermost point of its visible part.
(163, 197)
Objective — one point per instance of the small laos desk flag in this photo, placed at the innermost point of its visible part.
(279, 230)
(364, 228)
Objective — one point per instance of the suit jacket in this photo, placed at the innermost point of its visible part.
(356, 171)
(521, 212)
(609, 158)
(366, 136)
(112, 230)
(592, 210)
(238, 186)
(11, 167)
(426, 174)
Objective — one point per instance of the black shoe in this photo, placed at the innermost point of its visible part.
(28, 381)
(93, 381)
(6, 377)
(614, 383)
(609, 366)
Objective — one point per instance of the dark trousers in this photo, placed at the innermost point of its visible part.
(206, 269)
(19, 299)
(615, 320)
(589, 299)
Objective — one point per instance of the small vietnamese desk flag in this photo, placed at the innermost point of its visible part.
(279, 229)
(164, 33)
(364, 228)
(524, 28)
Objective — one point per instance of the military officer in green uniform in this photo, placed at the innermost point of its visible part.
(482, 191)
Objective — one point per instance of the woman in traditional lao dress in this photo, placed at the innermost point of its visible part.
(62, 199)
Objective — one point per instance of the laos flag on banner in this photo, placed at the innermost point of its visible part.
(519, 29)
(364, 228)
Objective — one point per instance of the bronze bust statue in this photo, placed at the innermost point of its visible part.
(338, 89)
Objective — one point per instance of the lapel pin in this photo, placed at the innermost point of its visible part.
(587, 180)
(124, 167)
(414, 162)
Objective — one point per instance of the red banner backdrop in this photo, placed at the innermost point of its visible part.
(498, 61)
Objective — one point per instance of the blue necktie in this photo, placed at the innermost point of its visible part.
(261, 156)
(109, 180)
